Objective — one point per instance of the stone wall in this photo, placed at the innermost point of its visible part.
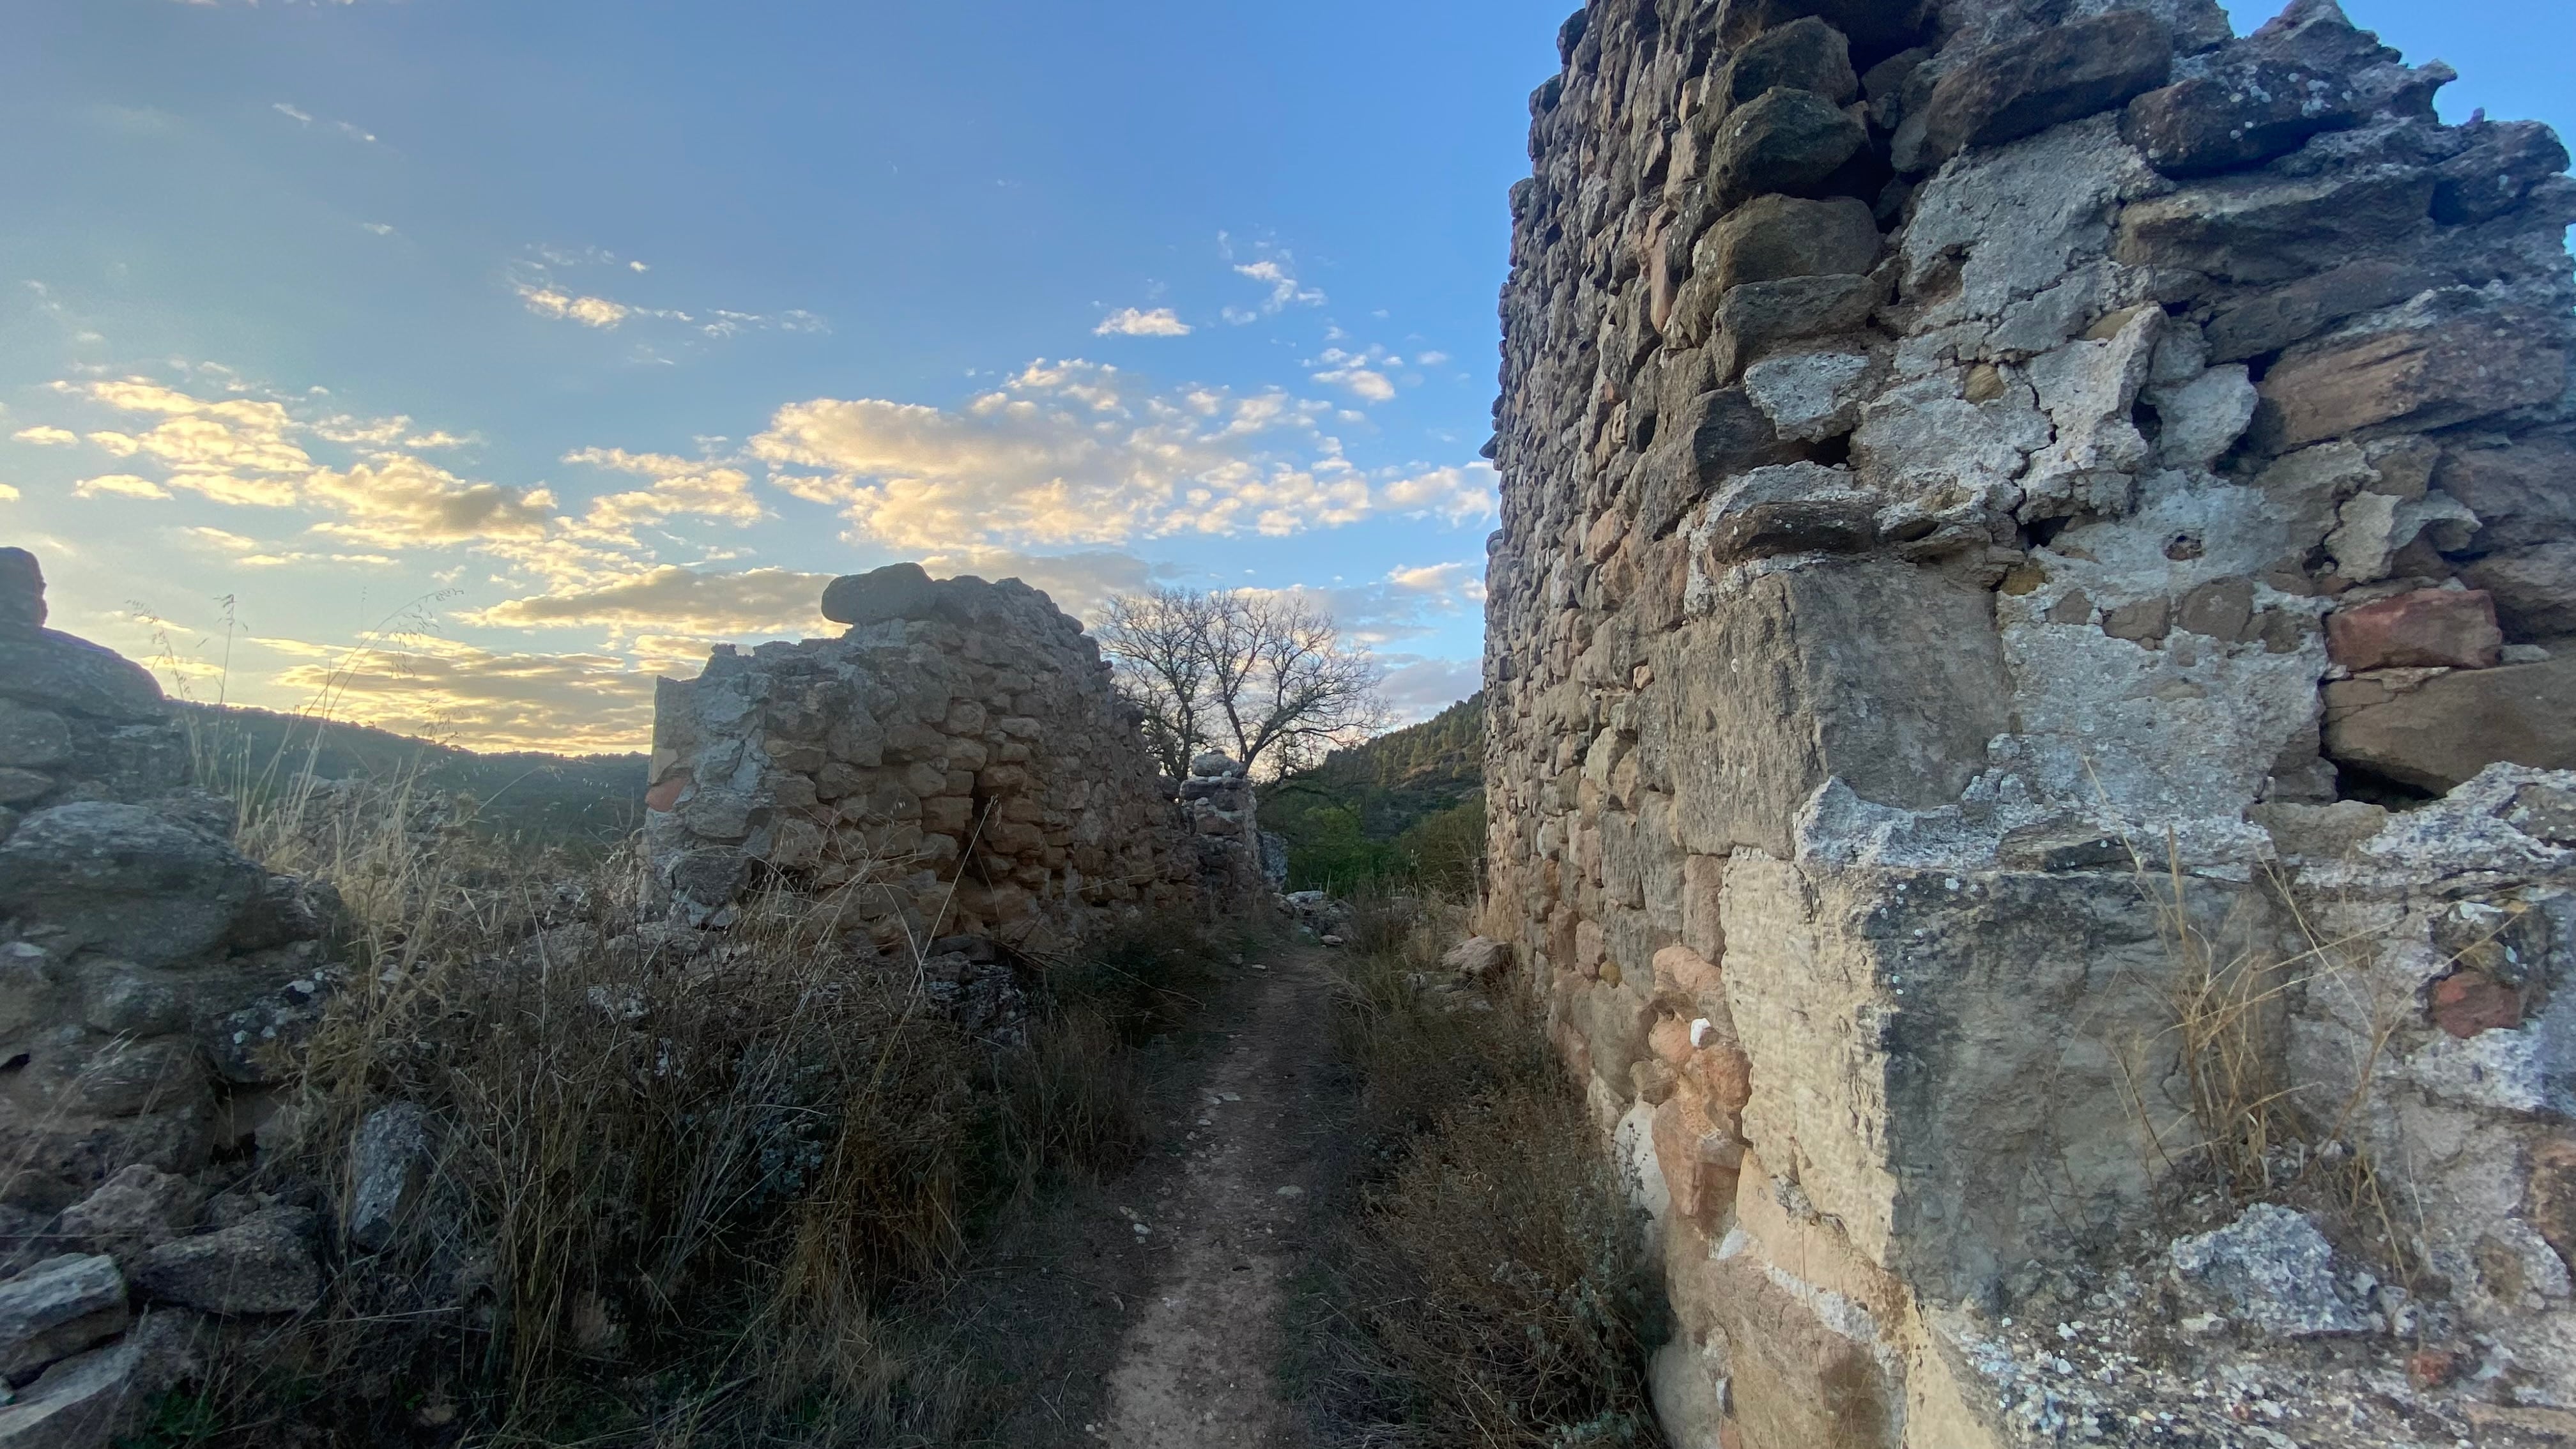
(1954, 454)
(149, 975)
(957, 764)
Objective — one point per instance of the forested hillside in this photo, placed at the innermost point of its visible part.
(580, 801)
(1406, 806)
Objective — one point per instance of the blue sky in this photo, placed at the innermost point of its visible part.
(491, 356)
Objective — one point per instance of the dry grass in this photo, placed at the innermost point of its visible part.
(1486, 1292)
(2248, 1125)
(682, 1191)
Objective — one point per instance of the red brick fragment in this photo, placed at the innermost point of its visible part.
(2468, 1002)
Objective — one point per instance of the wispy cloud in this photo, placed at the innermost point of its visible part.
(534, 280)
(1136, 322)
(1362, 374)
(307, 119)
(1275, 268)
(48, 437)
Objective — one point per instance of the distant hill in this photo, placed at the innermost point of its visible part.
(1407, 806)
(572, 800)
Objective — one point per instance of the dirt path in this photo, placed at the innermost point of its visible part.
(1106, 1335)
(1198, 1366)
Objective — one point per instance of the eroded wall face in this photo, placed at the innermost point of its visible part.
(1947, 453)
(957, 764)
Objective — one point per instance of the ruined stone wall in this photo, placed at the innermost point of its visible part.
(957, 764)
(148, 970)
(1949, 454)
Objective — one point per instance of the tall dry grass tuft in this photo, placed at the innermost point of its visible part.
(1486, 1290)
(2244, 1122)
(682, 1185)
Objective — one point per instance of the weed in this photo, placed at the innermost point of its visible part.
(1485, 1291)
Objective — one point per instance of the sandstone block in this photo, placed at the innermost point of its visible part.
(2523, 495)
(2430, 376)
(1715, 436)
(1759, 315)
(2435, 628)
(2299, 310)
(1773, 237)
(2549, 1200)
(2061, 74)
(2493, 176)
(1480, 958)
(1786, 141)
(56, 1309)
(2437, 733)
(1791, 508)
(2266, 229)
(1699, 1159)
(1806, 54)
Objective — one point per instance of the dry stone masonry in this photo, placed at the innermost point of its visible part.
(1952, 453)
(955, 765)
(150, 976)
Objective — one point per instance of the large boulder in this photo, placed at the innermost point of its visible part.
(897, 591)
(54, 670)
(22, 592)
(126, 881)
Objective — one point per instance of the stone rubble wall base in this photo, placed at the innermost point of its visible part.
(1963, 475)
(957, 764)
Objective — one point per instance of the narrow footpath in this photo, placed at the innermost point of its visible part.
(1199, 1365)
(1145, 1312)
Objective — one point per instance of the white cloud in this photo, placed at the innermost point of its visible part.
(588, 311)
(1416, 687)
(121, 485)
(1077, 452)
(47, 437)
(378, 227)
(1136, 322)
(1079, 583)
(302, 117)
(1430, 359)
(8, 494)
(251, 553)
(1359, 373)
(676, 599)
(680, 488)
(1285, 290)
(488, 699)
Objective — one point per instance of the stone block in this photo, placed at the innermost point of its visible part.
(2272, 1271)
(2549, 1198)
(2265, 229)
(2524, 495)
(1872, 23)
(56, 671)
(2296, 311)
(56, 1309)
(2435, 733)
(2418, 377)
(1886, 675)
(1713, 437)
(2060, 74)
(1756, 317)
(33, 738)
(1806, 54)
(897, 591)
(2240, 115)
(2534, 590)
(1786, 141)
(1774, 237)
(260, 1266)
(127, 881)
(389, 1162)
(1788, 509)
(2429, 628)
(22, 592)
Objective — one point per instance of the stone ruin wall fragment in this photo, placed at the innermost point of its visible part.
(956, 765)
(1945, 448)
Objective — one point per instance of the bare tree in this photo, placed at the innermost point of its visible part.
(1264, 677)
